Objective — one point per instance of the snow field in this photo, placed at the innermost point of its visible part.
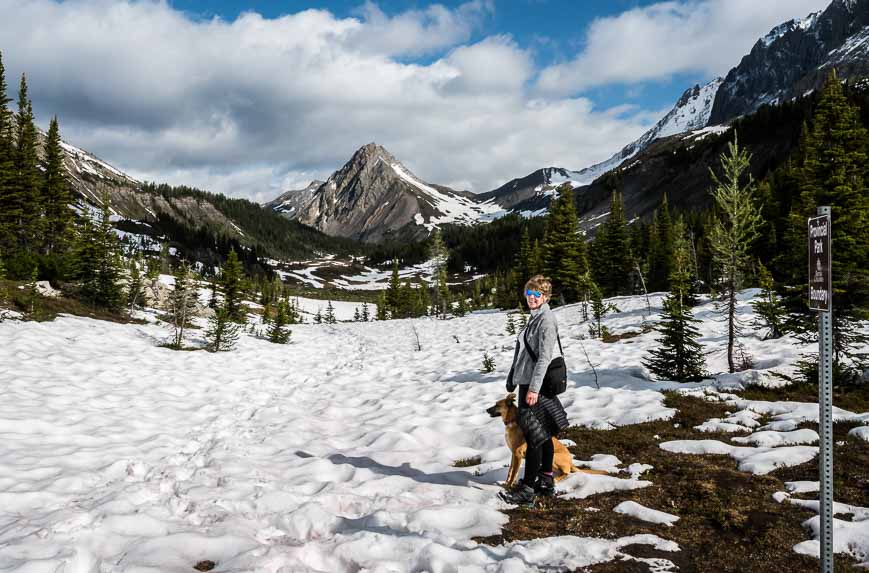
(332, 453)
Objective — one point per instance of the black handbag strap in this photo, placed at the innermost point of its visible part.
(534, 354)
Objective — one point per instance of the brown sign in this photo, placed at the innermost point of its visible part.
(820, 257)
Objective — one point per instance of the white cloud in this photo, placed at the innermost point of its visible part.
(255, 105)
(656, 41)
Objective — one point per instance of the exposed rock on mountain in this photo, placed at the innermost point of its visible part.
(795, 58)
(294, 201)
(374, 197)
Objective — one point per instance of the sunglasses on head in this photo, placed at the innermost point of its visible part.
(535, 293)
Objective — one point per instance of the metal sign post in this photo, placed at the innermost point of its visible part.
(821, 299)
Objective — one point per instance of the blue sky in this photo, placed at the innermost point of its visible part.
(554, 30)
(253, 98)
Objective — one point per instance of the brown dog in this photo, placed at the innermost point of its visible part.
(562, 461)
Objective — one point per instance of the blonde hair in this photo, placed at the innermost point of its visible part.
(541, 283)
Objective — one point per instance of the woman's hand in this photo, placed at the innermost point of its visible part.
(531, 398)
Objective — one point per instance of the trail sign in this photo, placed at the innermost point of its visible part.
(820, 259)
(821, 298)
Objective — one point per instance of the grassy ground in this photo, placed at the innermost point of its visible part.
(728, 519)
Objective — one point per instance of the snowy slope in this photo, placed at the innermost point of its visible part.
(333, 453)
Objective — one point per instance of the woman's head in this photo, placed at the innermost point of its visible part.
(538, 289)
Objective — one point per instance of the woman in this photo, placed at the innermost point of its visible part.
(541, 335)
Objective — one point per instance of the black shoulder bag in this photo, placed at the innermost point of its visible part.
(555, 381)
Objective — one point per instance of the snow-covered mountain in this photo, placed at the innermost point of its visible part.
(795, 58)
(374, 197)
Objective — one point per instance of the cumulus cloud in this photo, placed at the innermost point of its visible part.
(656, 41)
(253, 106)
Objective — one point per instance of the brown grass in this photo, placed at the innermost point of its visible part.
(728, 519)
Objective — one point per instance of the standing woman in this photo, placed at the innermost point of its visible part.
(549, 417)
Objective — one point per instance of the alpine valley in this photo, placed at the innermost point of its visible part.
(374, 198)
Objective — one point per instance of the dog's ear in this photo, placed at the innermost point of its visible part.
(511, 398)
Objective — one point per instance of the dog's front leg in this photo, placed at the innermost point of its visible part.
(515, 461)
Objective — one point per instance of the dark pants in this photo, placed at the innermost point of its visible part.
(537, 460)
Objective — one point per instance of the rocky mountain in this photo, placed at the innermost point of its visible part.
(795, 58)
(294, 201)
(374, 197)
(198, 224)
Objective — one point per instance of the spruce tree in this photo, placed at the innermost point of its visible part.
(678, 356)
(231, 283)
(98, 263)
(660, 248)
(438, 255)
(356, 315)
(831, 171)
(392, 292)
(733, 233)
(278, 331)
(222, 333)
(55, 194)
(366, 316)
(523, 264)
(28, 177)
(523, 318)
(8, 192)
(330, 314)
(382, 313)
(476, 296)
(511, 325)
(768, 307)
(681, 268)
(613, 260)
(443, 291)
(564, 256)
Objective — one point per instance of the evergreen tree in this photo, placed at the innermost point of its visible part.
(599, 309)
(660, 248)
(366, 316)
(564, 256)
(511, 325)
(612, 246)
(212, 298)
(181, 305)
(768, 307)
(98, 263)
(318, 318)
(523, 318)
(678, 356)
(831, 171)
(461, 309)
(27, 175)
(278, 331)
(222, 333)
(55, 194)
(443, 291)
(356, 316)
(733, 233)
(393, 294)
(523, 263)
(232, 285)
(681, 279)
(330, 314)
(9, 207)
(488, 363)
(382, 313)
(476, 296)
